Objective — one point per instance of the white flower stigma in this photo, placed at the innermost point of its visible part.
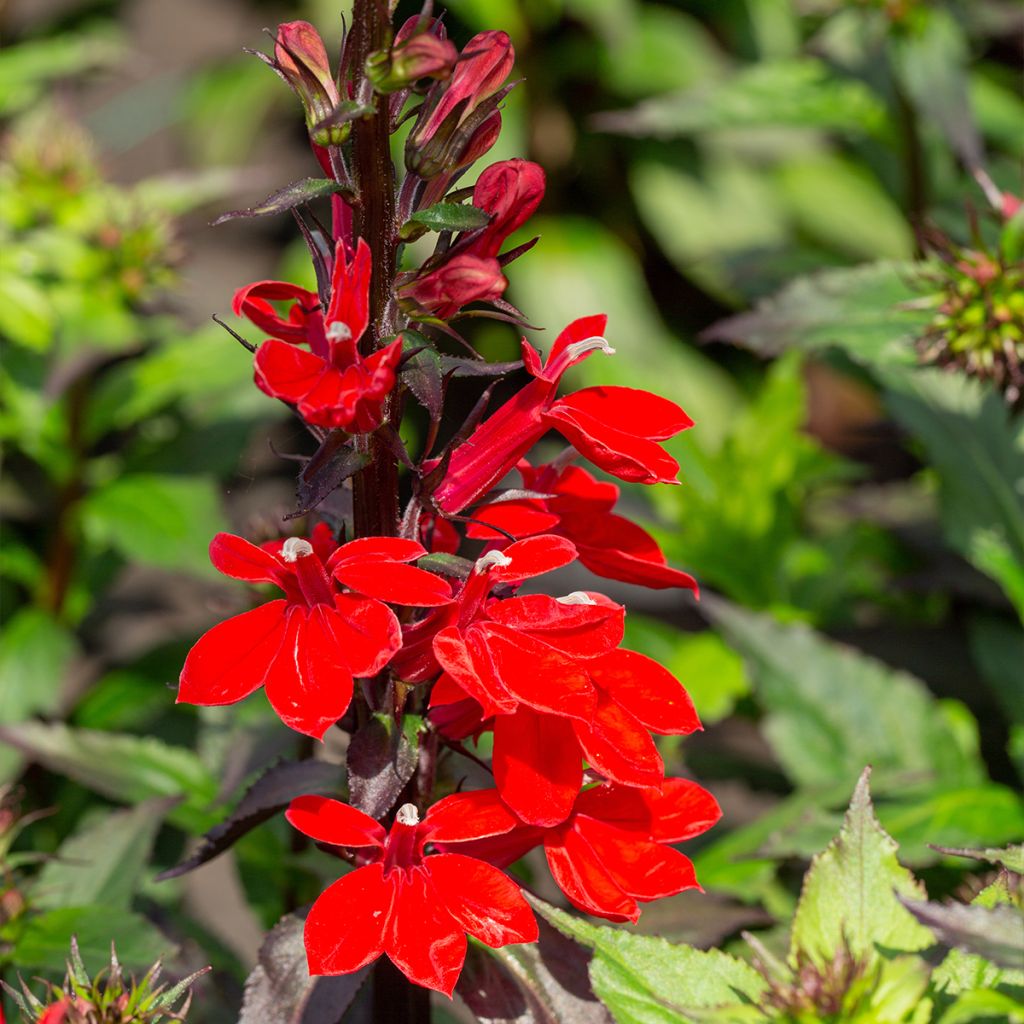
(484, 562)
(295, 548)
(407, 815)
(581, 348)
(337, 331)
(576, 597)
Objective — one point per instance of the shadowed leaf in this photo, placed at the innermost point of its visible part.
(287, 198)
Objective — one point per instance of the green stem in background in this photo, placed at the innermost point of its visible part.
(375, 488)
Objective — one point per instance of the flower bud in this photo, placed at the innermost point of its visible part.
(301, 59)
(442, 292)
(452, 116)
(425, 53)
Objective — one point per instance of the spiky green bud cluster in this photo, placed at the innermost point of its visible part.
(111, 997)
(980, 323)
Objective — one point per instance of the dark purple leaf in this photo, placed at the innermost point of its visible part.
(267, 796)
(995, 933)
(287, 198)
(457, 366)
(424, 376)
(331, 465)
(280, 990)
(381, 760)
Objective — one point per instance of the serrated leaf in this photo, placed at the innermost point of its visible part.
(977, 449)
(647, 980)
(445, 217)
(831, 710)
(296, 194)
(331, 465)
(1011, 858)
(160, 520)
(381, 760)
(280, 990)
(802, 92)
(103, 862)
(849, 896)
(269, 795)
(873, 312)
(43, 945)
(424, 376)
(125, 768)
(993, 933)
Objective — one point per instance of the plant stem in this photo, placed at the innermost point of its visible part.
(375, 488)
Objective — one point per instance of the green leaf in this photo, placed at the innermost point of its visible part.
(102, 862)
(125, 768)
(831, 710)
(444, 217)
(994, 933)
(984, 1007)
(873, 312)
(1011, 858)
(44, 944)
(802, 93)
(160, 520)
(712, 673)
(26, 314)
(296, 194)
(997, 645)
(646, 980)
(35, 651)
(849, 893)
(977, 449)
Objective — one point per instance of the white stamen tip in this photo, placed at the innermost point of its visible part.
(594, 344)
(407, 815)
(337, 331)
(295, 548)
(484, 562)
(576, 597)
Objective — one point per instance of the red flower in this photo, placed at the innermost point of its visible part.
(306, 647)
(617, 428)
(581, 510)
(539, 750)
(332, 384)
(613, 850)
(414, 906)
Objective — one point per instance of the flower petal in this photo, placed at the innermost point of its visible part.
(583, 878)
(334, 822)
(423, 939)
(366, 630)
(346, 927)
(377, 549)
(630, 410)
(466, 816)
(230, 661)
(286, 372)
(681, 810)
(537, 765)
(646, 690)
(619, 747)
(579, 630)
(519, 518)
(466, 659)
(395, 582)
(481, 899)
(533, 556)
(310, 686)
(236, 557)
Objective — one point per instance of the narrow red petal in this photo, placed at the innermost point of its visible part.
(237, 558)
(345, 929)
(630, 410)
(366, 630)
(537, 766)
(682, 810)
(331, 821)
(519, 518)
(377, 549)
(286, 372)
(578, 630)
(647, 690)
(395, 582)
(231, 660)
(466, 659)
(466, 816)
(481, 899)
(423, 940)
(533, 556)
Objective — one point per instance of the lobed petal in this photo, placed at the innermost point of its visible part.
(463, 817)
(681, 810)
(585, 880)
(236, 557)
(366, 630)
(286, 372)
(619, 747)
(334, 822)
(647, 690)
(395, 582)
(466, 658)
(533, 556)
(578, 630)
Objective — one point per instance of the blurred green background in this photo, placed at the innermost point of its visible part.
(856, 521)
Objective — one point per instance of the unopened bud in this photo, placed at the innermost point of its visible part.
(301, 58)
(420, 51)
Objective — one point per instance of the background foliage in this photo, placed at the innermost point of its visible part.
(745, 188)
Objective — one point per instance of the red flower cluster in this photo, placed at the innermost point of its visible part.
(570, 714)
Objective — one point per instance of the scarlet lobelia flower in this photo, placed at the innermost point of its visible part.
(612, 852)
(598, 708)
(333, 384)
(617, 428)
(414, 906)
(580, 508)
(305, 648)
